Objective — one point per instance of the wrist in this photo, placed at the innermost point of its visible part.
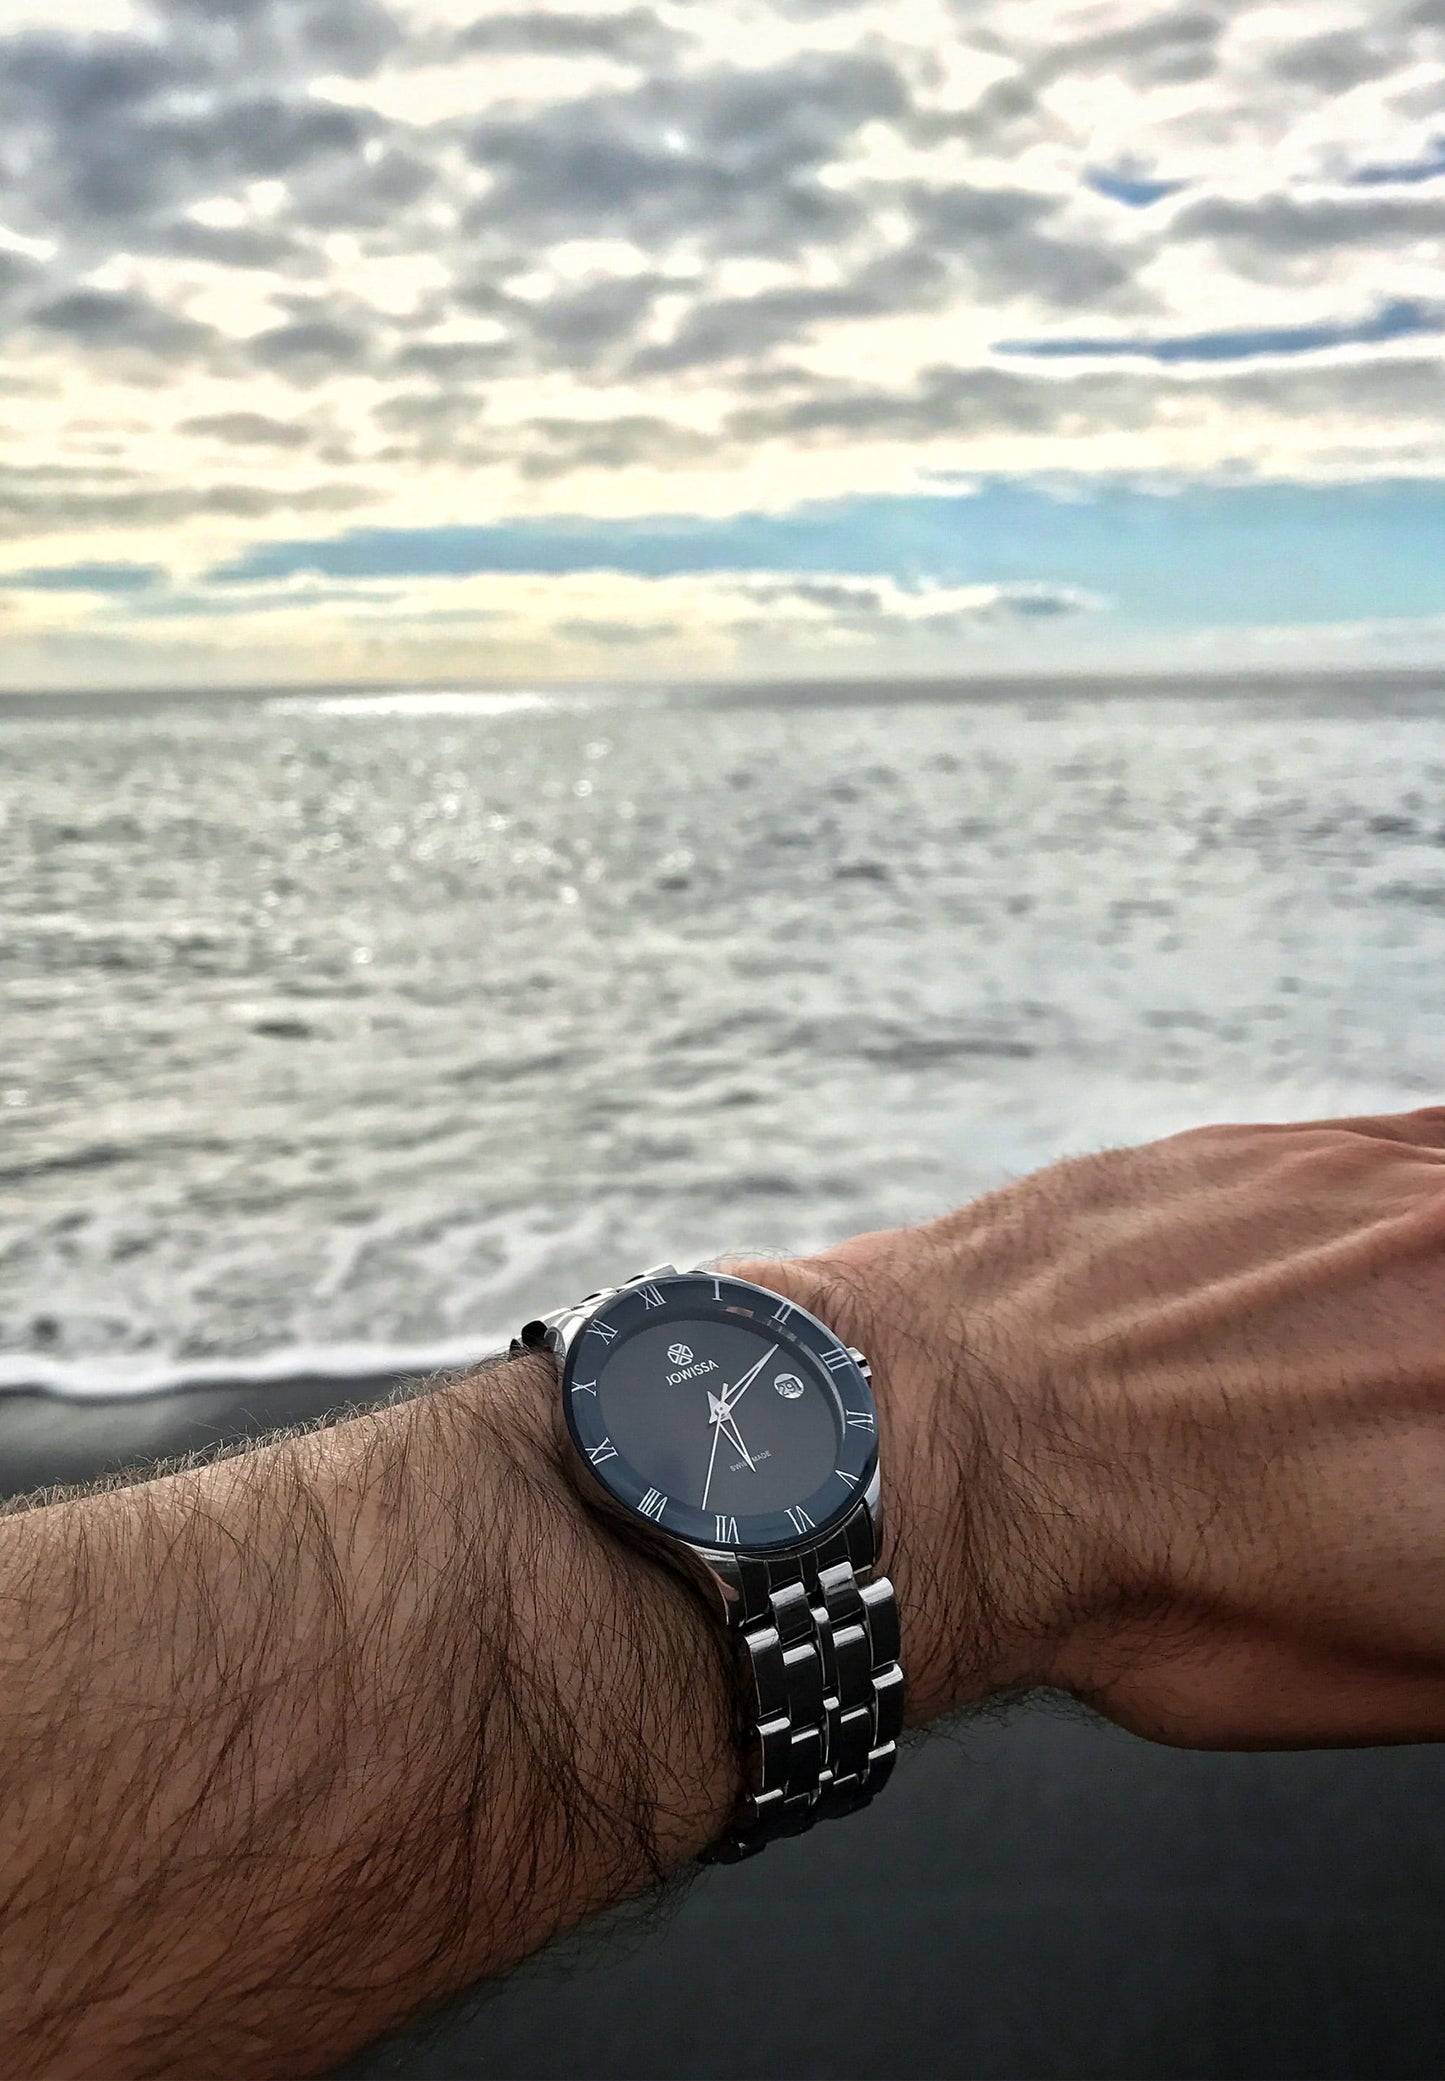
(636, 1663)
(986, 1552)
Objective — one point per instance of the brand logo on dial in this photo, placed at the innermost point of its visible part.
(680, 1354)
(702, 1365)
(789, 1386)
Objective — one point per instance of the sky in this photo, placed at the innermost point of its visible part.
(379, 340)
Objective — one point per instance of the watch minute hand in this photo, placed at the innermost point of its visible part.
(734, 1395)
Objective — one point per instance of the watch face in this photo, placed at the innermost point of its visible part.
(720, 1412)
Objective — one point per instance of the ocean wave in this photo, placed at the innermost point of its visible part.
(442, 701)
(110, 1379)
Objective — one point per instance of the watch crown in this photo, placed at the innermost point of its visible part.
(860, 1362)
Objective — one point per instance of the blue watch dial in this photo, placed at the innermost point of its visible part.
(720, 1412)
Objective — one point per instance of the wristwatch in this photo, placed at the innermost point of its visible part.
(734, 1435)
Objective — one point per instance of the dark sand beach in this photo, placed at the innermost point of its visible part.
(48, 1439)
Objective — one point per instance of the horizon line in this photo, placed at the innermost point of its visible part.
(1003, 678)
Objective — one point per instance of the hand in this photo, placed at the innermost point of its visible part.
(1166, 1427)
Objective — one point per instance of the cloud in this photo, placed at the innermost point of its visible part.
(559, 447)
(1335, 60)
(1165, 48)
(961, 239)
(742, 328)
(114, 502)
(633, 35)
(1261, 233)
(863, 606)
(83, 578)
(583, 327)
(1168, 47)
(731, 156)
(19, 276)
(104, 320)
(1012, 244)
(940, 401)
(310, 347)
(793, 621)
(224, 245)
(249, 430)
(123, 132)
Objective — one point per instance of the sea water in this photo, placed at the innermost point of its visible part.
(354, 1029)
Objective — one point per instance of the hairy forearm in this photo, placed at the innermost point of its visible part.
(296, 1741)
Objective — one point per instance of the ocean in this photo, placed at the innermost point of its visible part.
(346, 1031)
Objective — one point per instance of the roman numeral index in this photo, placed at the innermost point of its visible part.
(837, 1361)
(860, 1420)
(717, 1289)
(783, 1310)
(843, 1475)
(584, 1387)
(651, 1298)
(653, 1504)
(727, 1531)
(604, 1330)
(799, 1519)
(600, 1453)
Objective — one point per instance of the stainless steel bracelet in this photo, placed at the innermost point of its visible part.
(822, 1687)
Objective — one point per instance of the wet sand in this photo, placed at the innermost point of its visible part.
(46, 1439)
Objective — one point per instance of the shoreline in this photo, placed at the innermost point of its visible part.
(50, 1440)
(129, 1376)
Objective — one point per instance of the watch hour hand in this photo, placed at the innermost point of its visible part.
(719, 1415)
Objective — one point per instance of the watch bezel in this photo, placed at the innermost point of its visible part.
(716, 1296)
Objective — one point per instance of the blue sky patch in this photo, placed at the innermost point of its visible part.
(1405, 171)
(1134, 191)
(1227, 555)
(1399, 319)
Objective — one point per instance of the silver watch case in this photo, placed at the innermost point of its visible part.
(736, 1585)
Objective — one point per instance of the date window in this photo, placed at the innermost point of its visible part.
(789, 1386)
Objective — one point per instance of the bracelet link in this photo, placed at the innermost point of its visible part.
(822, 1650)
